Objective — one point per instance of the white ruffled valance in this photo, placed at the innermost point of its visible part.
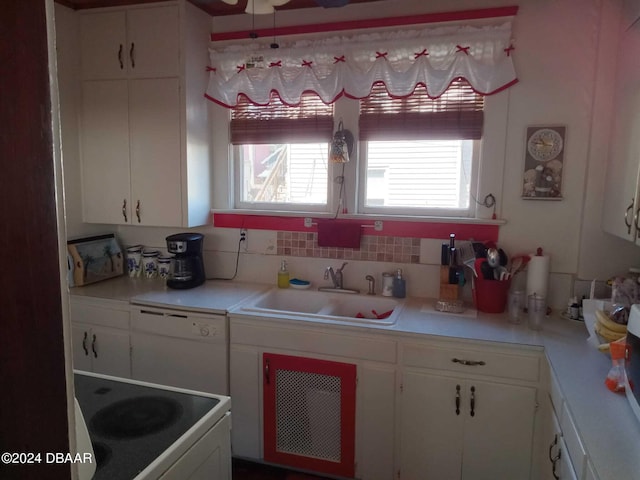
(332, 67)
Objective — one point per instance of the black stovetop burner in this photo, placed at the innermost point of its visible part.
(133, 424)
(135, 417)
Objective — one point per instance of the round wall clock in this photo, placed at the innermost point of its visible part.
(544, 144)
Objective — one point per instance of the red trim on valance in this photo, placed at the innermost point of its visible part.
(397, 228)
(370, 23)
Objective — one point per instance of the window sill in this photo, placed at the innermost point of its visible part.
(393, 225)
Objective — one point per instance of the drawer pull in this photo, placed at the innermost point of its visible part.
(555, 462)
(93, 347)
(471, 363)
(473, 401)
(120, 57)
(124, 210)
(553, 444)
(457, 399)
(84, 344)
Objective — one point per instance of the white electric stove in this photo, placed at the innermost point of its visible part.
(146, 431)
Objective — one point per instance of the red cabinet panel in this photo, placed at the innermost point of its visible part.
(309, 413)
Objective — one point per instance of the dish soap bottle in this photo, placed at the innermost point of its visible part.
(399, 285)
(283, 275)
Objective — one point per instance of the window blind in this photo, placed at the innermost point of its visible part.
(309, 121)
(456, 114)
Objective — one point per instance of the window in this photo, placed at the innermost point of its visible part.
(417, 156)
(418, 152)
(281, 154)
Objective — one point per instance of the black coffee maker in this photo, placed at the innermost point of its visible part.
(187, 268)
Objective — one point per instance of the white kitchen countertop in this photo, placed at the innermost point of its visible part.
(607, 426)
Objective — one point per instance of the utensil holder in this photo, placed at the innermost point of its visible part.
(490, 296)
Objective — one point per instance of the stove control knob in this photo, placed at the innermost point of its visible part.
(204, 331)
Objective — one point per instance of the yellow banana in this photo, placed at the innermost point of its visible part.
(609, 324)
(604, 347)
(607, 334)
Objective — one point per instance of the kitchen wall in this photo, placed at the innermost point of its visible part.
(564, 57)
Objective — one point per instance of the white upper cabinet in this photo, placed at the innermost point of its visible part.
(143, 162)
(621, 202)
(136, 43)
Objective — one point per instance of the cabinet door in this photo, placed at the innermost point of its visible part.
(498, 430)
(155, 152)
(621, 201)
(153, 45)
(309, 413)
(375, 417)
(103, 45)
(110, 351)
(105, 152)
(431, 427)
(244, 387)
(81, 342)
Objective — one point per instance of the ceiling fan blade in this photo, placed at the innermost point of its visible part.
(259, 7)
(230, 2)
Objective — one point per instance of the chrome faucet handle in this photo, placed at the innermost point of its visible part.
(372, 285)
(327, 271)
(342, 267)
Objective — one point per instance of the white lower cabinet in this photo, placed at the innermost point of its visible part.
(466, 411)
(100, 337)
(461, 428)
(374, 359)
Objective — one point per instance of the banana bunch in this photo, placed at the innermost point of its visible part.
(608, 329)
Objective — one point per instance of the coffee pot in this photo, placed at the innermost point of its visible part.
(187, 267)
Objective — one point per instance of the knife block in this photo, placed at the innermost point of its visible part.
(448, 291)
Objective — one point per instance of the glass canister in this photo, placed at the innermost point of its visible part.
(516, 306)
(536, 310)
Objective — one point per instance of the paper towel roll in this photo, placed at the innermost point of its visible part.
(538, 275)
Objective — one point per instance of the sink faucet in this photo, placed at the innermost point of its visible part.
(336, 276)
(372, 284)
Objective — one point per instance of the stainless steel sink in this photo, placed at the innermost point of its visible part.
(330, 305)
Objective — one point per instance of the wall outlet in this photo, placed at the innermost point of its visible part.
(244, 240)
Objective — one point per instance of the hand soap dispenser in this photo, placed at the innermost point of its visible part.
(283, 275)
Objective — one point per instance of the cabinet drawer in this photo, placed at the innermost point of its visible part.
(99, 314)
(574, 444)
(313, 341)
(466, 361)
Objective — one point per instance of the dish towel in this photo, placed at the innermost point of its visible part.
(333, 233)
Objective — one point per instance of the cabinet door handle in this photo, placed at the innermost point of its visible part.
(131, 55)
(93, 346)
(138, 210)
(555, 462)
(124, 210)
(84, 343)
(553, 444)
(457, 399)
(627, 222)
(120, 57)
(473, 401)
(635, 219)
(471, 363)
(267, 378)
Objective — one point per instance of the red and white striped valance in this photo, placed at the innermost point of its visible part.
(350, 65)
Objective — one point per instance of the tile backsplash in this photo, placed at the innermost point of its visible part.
(372, 248)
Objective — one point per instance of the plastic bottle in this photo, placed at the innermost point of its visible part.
(399, 285)
(283, 275)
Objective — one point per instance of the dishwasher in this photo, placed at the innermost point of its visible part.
(180, 349)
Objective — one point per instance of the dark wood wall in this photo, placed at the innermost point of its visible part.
(32, 378)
